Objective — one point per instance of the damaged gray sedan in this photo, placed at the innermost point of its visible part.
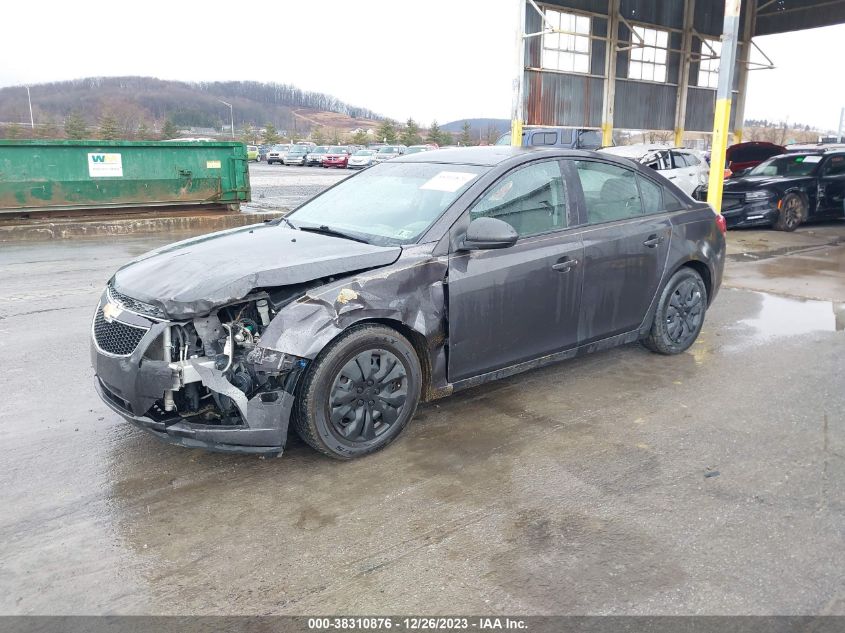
(420, 276)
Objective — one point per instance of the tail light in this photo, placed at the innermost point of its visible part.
(721, 223)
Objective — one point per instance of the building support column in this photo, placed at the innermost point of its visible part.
(722, 114)
(609, 94)
(518, 103)
(683, 79)
(744, 58)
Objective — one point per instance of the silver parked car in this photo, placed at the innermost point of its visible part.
(389, 151)
(361, 159)
(297, 155)
(277, 154)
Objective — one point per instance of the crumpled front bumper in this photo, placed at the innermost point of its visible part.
(756, 213)
(131, 386)
(269, 440)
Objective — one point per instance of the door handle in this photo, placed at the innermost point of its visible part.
(564, 264)
(652, 241)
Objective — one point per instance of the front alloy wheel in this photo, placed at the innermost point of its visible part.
(792, 212)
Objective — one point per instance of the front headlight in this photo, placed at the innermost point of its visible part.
(763, 194)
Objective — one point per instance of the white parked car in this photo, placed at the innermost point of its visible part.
(362, 158)
(686, 168)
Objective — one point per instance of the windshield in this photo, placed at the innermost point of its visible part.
(337, 150)
(280, 148)
(789, 165)
(320, 150)
(364, 152)
(299, 150)
(414, 150)
(388, 150)
(390, 203)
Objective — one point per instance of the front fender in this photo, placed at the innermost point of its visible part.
(411, 292)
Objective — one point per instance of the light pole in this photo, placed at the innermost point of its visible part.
(231, 114)
(31, 118)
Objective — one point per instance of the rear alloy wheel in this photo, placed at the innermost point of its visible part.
(359, 393)
(792, 212)
(680, 314)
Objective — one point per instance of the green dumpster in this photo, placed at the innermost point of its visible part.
(68, 175)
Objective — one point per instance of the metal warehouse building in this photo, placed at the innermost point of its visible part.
(645, 64)
(666, 64)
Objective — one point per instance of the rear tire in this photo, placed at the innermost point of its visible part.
(792, 212)
(359, 393)
(680, 314)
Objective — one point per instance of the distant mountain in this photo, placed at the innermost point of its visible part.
(148, 102)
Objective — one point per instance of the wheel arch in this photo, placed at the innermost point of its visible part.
(703, 270)
(416, 339)
(798, 191)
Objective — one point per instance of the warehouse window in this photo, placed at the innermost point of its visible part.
(569, 51)
(708, 67)
(648, 55)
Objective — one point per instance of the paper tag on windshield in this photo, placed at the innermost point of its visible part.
(449, 181)
(812, 159)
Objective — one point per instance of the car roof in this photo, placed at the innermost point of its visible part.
(491, 155)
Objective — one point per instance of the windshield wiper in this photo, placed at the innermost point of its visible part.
(325, 230)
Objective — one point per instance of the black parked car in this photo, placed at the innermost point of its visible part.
(412, 279)
(785, 191)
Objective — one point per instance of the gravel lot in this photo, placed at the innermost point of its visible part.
(276, 187)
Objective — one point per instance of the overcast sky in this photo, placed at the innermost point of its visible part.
(443, 59)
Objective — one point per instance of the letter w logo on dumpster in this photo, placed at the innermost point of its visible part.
(105, 165)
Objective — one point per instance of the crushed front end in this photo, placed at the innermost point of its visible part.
(205, 382)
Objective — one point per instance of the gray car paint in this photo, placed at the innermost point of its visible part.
(434, 292)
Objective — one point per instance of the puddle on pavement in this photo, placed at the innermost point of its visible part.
(751, 256)
(781, 317)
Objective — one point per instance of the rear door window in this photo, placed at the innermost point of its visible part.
(610, 192)
(679, 160)
(835, 166)
(544, 138)
(656, 198)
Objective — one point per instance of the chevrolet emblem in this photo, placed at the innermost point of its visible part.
(111, 312)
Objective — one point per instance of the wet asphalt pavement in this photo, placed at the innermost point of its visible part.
(620, 483)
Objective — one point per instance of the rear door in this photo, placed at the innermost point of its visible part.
(626, 243)
(515, 304)
(832, 185)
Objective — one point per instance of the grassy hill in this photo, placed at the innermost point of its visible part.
(143, 104)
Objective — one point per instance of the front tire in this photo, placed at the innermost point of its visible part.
(680, 314)
(359, 393)
(792, 212)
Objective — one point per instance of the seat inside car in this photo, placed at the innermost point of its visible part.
(618, 199)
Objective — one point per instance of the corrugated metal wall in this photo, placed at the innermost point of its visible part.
(570, 99)
(563, 99)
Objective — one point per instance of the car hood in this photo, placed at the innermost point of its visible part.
(750, 183)
(192, 277)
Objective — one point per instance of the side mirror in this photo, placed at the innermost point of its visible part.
(487, 233)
